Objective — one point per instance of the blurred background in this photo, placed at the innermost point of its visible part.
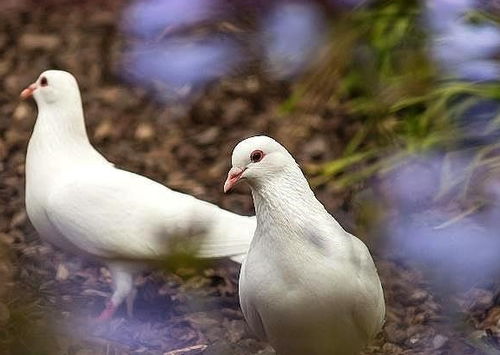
(392, 108)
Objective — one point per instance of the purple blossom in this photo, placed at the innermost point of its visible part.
(291, 34)
(181, 65)
(349, 4)
(414, 184)
(149, 18)
(455, 249)
(461, 253)
(440, 14)
(461, 49)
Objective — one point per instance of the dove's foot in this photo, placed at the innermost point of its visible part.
(130, 303)
(108, 312)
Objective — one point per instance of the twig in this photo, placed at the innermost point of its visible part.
(459, 217)
(184, 350)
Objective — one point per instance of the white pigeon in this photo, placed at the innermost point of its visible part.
(306, 286)
(80, 202)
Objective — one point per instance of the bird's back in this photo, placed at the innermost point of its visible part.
(113, 213)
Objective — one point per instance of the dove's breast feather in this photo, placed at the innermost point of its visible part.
(325, 298)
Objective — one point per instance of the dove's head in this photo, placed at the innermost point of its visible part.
(52, 87)
(258, 159)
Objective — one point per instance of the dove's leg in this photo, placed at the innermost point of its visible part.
(123, 287)
(130, 302)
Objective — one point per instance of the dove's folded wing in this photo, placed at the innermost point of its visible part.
(113, 213)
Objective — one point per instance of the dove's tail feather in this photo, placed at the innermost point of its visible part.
(229, 235)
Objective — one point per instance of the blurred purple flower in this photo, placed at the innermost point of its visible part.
(491, 215)
(179, 65)
(458, 255)
(440, 14)
(470, 41)
(462, 49)
(476, 121)
(413, 185)
(453, 249)
(292, 32)
(478, 70)
(350, 4)
(149, 18)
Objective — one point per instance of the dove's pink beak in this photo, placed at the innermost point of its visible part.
(28, 91)
(233, 176)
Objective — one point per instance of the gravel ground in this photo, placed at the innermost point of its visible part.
(183, 310)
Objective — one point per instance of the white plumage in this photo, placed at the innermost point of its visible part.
(80, 202)
(306, 286)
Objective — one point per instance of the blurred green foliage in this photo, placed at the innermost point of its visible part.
(378, 70)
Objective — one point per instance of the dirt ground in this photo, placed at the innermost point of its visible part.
(188, 310)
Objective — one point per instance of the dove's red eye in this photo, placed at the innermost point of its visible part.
(44, 81)
(256, 156)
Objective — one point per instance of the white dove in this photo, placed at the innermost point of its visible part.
(306, 286)
(80, 202)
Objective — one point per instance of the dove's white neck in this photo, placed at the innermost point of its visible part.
(61, 122)
(285, 199)
(59, 136)
(288, 214)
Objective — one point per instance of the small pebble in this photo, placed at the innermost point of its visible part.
(439, 341)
